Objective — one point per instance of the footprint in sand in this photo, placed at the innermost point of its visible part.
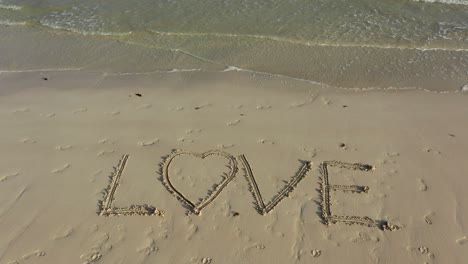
(99, 246)
(106, 141)
(113, 113)
(193, 229)
(202, 106)
(10, 175)
(61, 169)
(428, 218)
(425, 251)
(255, 246)
(422, 185)
(192, 131)
(225, 146)
(27, 140)
(265, 141)
(63, 232)
(233, 123)
(47, 115)
(298, 104)
(148, 143)
(90, 257)
(205, 260)
(36, 253)
(63, 147)
(263, 107)
(105, 152)
(391, 154)
(144, 106)
(148, 247)
(316, 253)
(237, 106)
(185, 140)
(176, 109)
(462, 240)
(362, 237)
(80, 110)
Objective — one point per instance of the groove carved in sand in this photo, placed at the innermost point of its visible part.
(106, 209)
(212, 194)
(327, 215)
(260, 204)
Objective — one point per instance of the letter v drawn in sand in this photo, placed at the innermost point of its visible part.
(212, 194)
(327, 215)
(105, 206)
(260, 204)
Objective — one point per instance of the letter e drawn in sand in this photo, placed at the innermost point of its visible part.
(327, 215)
(261, 207)
(105, 206)
(212, 194)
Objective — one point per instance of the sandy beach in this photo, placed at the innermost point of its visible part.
(229, 167)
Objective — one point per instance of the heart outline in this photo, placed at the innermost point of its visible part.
(213, 193)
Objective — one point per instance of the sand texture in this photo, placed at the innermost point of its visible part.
(230, 167)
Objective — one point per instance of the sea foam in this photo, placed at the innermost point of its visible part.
(10, 7)
(12, 23)
(456, 2)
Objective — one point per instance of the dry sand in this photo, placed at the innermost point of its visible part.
(73, 141)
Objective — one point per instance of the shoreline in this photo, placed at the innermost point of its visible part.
(347, 67)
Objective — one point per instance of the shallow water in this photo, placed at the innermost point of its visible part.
(358, 43)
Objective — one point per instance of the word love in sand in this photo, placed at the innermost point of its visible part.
(106, 208)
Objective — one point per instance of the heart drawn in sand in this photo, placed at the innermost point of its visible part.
(213, 193)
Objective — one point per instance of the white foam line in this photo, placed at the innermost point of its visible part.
(12, 23)
(197, 57)
(40, 70)
(306, 43)
(452, 2)
(356, 89)
(10, 7)
(152, 72)
(272, 38)
(84, 33)
(233, 68)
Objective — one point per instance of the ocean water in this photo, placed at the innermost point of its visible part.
(346, 43)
